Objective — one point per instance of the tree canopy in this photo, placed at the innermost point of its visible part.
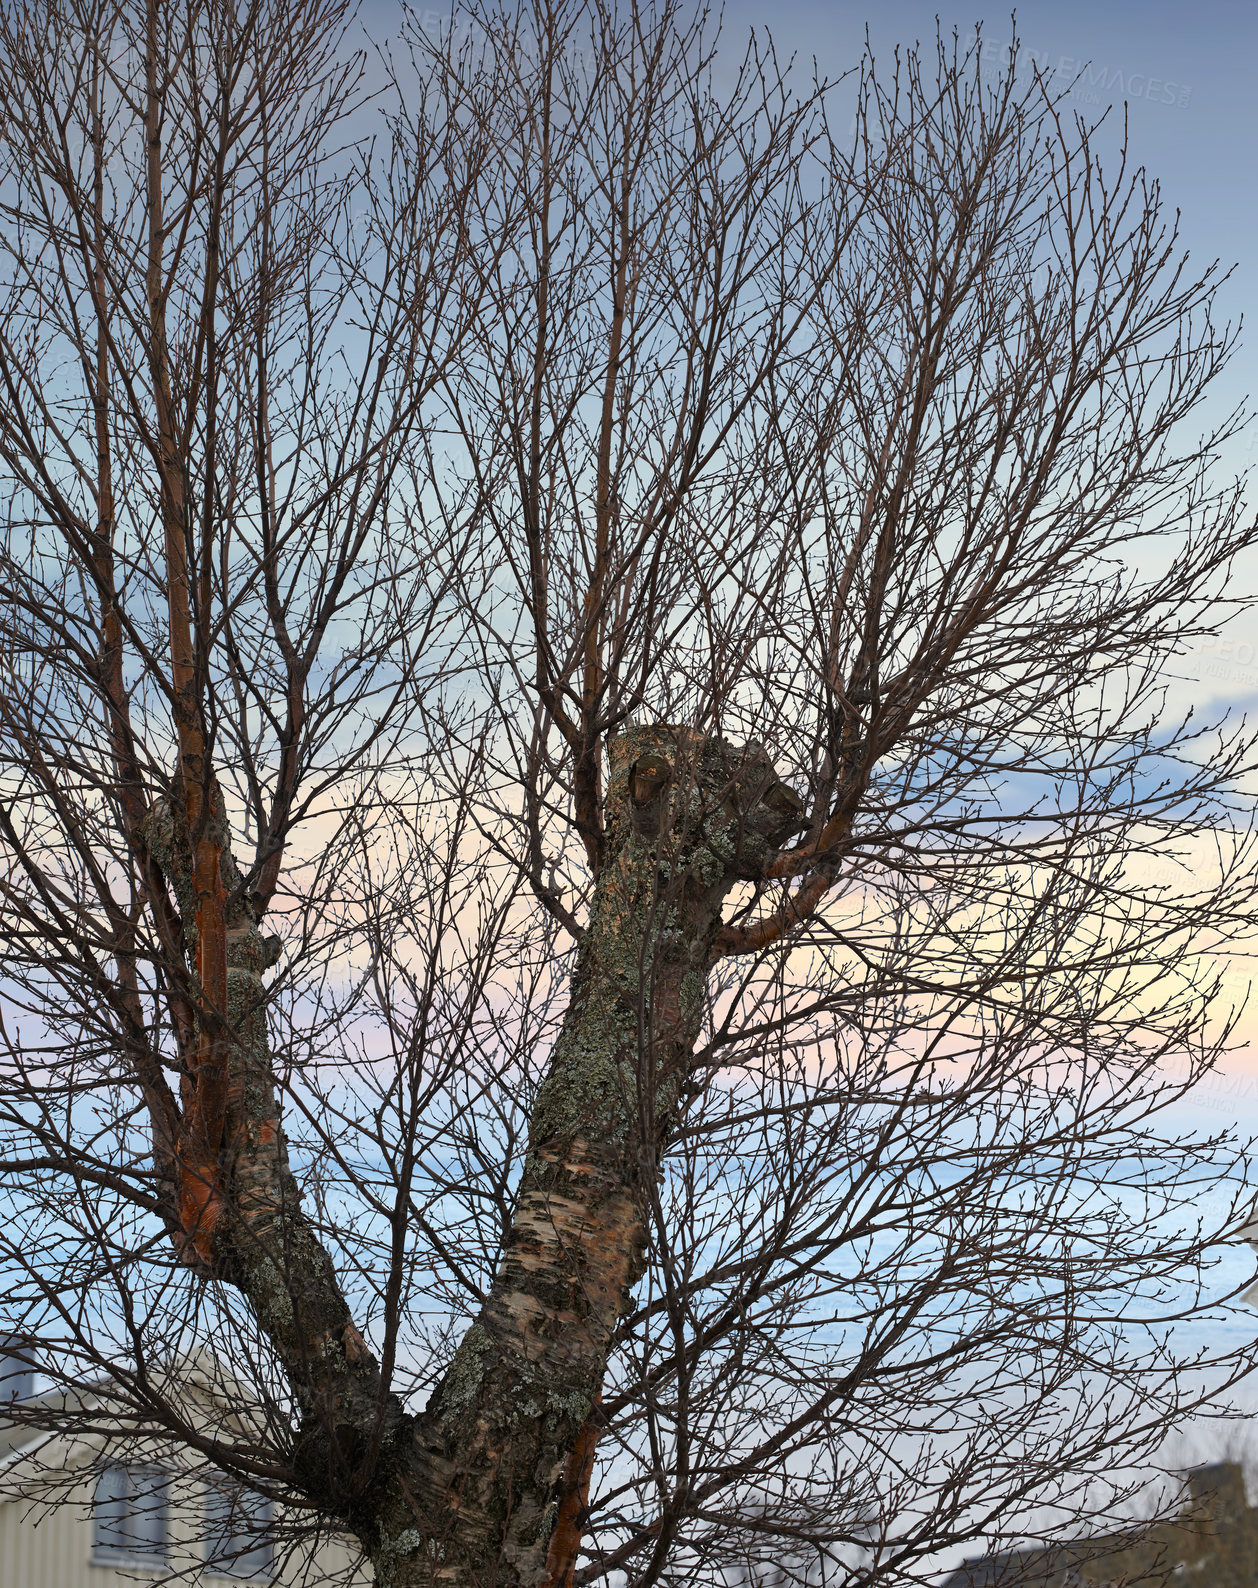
(587, 783)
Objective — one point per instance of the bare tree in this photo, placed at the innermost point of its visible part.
(667, 612)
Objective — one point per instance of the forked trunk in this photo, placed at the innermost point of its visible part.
(485, 1489)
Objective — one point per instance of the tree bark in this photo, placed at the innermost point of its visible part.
(469, 1493)
(512, 1416)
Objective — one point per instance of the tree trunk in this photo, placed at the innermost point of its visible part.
(685, 820)
(469, 1493)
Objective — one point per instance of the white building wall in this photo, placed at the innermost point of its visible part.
(44, 1546)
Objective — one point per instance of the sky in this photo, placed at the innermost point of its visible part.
(1188, 75)
(1187, 71)
(1184, 77)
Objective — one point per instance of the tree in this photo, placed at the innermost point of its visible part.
(667, 612)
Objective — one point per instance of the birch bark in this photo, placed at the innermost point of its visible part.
(510, 1430)
(469, 1493)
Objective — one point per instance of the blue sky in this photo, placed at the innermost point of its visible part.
(1202, 57)
(1203, 145)
(1187, 71)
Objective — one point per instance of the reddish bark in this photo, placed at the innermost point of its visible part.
(565, 1541)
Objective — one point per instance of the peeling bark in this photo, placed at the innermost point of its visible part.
(239, 1208)
(471, 1493)
(574, 1500)
(686, 818)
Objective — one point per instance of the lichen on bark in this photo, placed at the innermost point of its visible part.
(468, 1493)
(685, 820)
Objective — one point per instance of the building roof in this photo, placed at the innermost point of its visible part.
(1215, 1533)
